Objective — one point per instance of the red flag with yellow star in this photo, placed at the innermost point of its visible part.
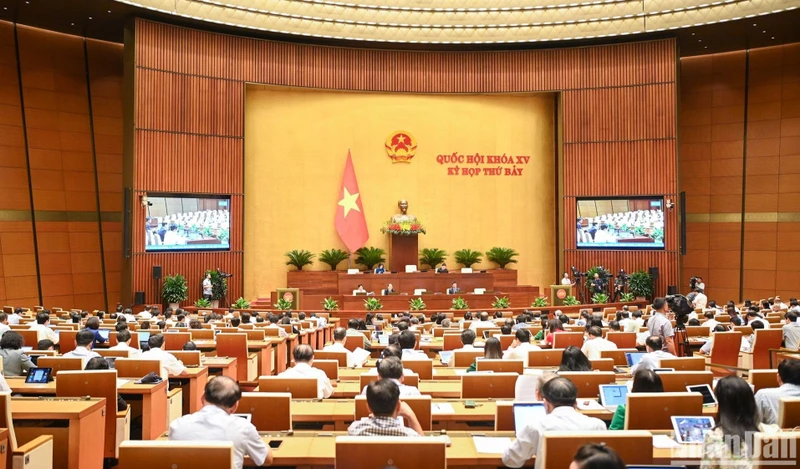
(350, 221)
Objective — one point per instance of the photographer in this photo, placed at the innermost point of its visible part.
(658, 325)
(619, 285)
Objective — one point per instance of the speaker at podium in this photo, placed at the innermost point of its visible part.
(559, 293)
(290, 294)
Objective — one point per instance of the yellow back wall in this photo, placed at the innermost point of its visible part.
(296, 144)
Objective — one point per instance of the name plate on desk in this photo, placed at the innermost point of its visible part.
(410, 269)
(466, 270)
(353, 271)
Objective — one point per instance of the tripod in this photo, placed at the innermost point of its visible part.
(682, 348)
(579, 287)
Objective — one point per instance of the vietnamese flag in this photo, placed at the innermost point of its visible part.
(351, 224)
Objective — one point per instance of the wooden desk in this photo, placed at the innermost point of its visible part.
(271, 352)
(224, 366)
(440, 373)
(77, 443)
(435, 389)
(193, 385)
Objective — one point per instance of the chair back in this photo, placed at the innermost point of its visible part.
(504, 415)
(354, 452)
(622, 339)
(451, 340)
(745, 330)
(6, 421)
(366, 378)
(421, 405)
(676, 381)
(175, 340)
(234, 346)
(353, 342)
(112, 353)
(330, 367)
(563, 340)
(789, 412)
(698, 331)
(765, 340)
(340, 357)
(617, 355)
(602, 364)
(167, 454)
(202, 334)
(684, 363)
(136, 368)
(775, 449)
(30, 338)
(424, 368)
(488, 386)
(270, 411)
(761, 379)
(112, 339)
(634, 447)
(299, 388)
(66, 340)
(59, 364)
(440, 331)
(588, 382)
(545, 358)
(255, 334)
(465, 358)
(188, 357)
(98, 383)
(500, 365)
(725, 350)
(652, 410)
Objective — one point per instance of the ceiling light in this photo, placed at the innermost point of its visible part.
(90, 17)
(699, 40)
(773, 37)
(754, 24)
(72, 24)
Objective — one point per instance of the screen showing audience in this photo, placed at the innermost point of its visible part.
(187, 223)
(619, 223)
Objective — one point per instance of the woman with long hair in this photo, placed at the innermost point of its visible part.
(574, 360)
(643, 381)
(730, 443)
(491, 350)
(554, 326)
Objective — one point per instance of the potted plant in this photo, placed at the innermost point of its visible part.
(299, 258)
(641, 285)
(174, 290)
(600, 298)
(283, 305)
(370, 257)
(501, 303)
(459, 304)
(467, 257)
(202, 303)
(329, 304)
(333, 257)
(571, 301)
(372, 304)
(502, 256)
(627, 297)
(241, 304)
(539, 302)
(431, 257)
(416, 304)
(598, 269)
(219, 287)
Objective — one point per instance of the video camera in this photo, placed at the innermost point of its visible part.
(681, 306)
(223, 274)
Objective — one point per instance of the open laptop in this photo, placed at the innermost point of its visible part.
(144, 338)
(634, 357)
(691, 429)
(247, 417)
(38, 375)
(526, 412)
(708, 396)
(104, 333)
(446, 356)
(613, 395)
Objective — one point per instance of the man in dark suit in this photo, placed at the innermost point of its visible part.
(597, 284)
(453, 289)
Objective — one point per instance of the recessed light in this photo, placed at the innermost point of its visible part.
(764, 31)
(773, 37)
(699, 40)
(90, 17)
(692, 34)
(110, 12)
(705, 47)
(72, 24)
(754, 24)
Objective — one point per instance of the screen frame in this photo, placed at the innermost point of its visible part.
(187, 195)
(622, 247)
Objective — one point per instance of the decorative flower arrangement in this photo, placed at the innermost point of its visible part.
(404, 228)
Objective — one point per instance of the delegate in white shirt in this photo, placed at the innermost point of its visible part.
(81, 352)
(214, 424)
(339, 347)
(405, 390)
(170, 365)
(304, 370)
(132, 352)
(44, 332)
(592, 347)
(520, 352)
(651, 361)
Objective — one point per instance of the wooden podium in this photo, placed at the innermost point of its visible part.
(402, 251)
(558, 293)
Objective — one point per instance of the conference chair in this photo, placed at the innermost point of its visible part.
(353, 342)
(175, 340)
(745, 330)
(112, 353)
(684, 363)
(203, 334)
(617, 355)
(353, 452)
(235, 346)
(166, 454)
(188, 357)
(698, 331)
(330, 367)
(66, 340)
(99, 383)
(563, 340)
(270, 411)
(340, 357)
(505, 339)
(451, 341)
(34, 454)
(789, 412)
(299, 388)
(775, 449)
(136, 368)
(760, 355)
(421, 405)
(424, 368)
(112, 339)
(761, 379)
(622, 339)
(256, 334)
(481, 329)
(59, 364)
(441, 331)
(366, 378)
(488, 386)
(465, 358)
(602, 364)
(725, 352)
(588, 382)
(504, 416)
(676, 381)
(30, 338)
(652, 410)
(500, 366)
(545, 358)
(633, 446)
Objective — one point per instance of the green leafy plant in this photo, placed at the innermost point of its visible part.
(657, 234)
(539, 302)
(416, 304)
(370, 256)
(299, 258)
(240, 303)
(626, 297)
(373, 304)
(468, 257)
(283, 305)
(333, 257)
(640, 284)
(639, 231)
(432, 257)
(600, 298)
(459, 304)
(501, 303)
(202, 303)
(598, 269)
(174, 289)
(329, 304)
(571, 301)
(219, 285)
(502, 256)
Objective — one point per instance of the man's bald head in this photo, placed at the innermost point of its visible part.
(223, 392)
(303, 353)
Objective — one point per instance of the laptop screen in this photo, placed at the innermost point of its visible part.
(445, 356)
(144, 336)
(705, 390)
(38, 375)
(613, 394)
(104, 333)
(528, 412)
(634, 358)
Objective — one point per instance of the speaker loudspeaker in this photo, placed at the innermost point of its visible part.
(653, 271)
(157, 272)
(138, 298)
(672, 290)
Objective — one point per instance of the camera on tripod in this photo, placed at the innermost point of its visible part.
(681, 306)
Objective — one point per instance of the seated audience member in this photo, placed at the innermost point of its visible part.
(491, 351)
(595, 343)
(45, 344)
(13, 318)
(505, 329)
(730, 442)
(42, 327)
(15, 362)
(596, 456)
(693, 322)
(613, 326)
(352, 331)
(100, 363)
(339, 335)
(643, 381)
(189, 346)
(193, 324)
(407, 341)
(273, 324)
(635, 323)
(93, 324)
(706, 348)
(651, 360)
(788, 386)
(124, 343)
(83, 346)
(214, 422)
(127, 313)
(468, 337)
(560, 399)
(4, 324)
(554, 326)
(446, 323)
(574, 360)
(522, 322)
(754, 317)
(383, 400)
(791, 331)
(710, 321)
(751, 339)
(482, 322)
(170, 365)
(391, 368)
(519, 348)
(303, 358)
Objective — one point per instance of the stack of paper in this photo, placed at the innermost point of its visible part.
(589, 404)
(491, 445)
(664, 442)
(442, 408)
(360, 356)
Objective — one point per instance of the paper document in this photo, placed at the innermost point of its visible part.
(664, 442)
(487, 445)
(122, 382)
(461, 371)
(360, 356)
(589, 404)
(442, 408)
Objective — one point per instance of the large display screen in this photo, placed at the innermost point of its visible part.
(621, 223)
(183, 223)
